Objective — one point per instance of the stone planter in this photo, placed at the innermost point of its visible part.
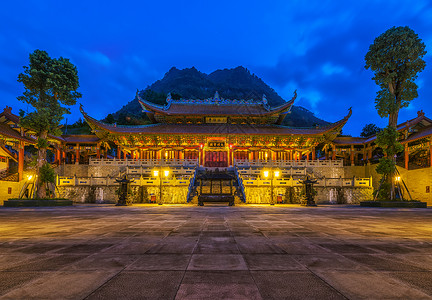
(404, 204)
(37, 202)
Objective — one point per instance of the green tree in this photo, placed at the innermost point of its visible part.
(369, 129)
(50, 86)
(396, 58)
(109, 119)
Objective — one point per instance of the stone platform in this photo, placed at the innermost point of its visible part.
(215, 252)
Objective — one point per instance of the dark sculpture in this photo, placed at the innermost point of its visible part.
(123, 190)
(308, 186)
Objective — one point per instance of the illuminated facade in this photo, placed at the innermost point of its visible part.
(216, 132)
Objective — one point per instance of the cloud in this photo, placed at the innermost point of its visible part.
(97, 57)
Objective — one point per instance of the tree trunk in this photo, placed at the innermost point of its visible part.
(393, 118)
(41, 160)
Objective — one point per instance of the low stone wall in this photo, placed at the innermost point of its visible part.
(325, 195)
(328, 172)
(139, 194)
(89, 170)
(418, 182)
(10, 189)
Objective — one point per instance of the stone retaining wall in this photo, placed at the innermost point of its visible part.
(325, 195)
(139, 194)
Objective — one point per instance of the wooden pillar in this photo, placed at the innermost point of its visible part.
(430, 153)
(98, 151)
(370, 155)
(20, 161)
(313, 153)
(105, 153)
(406, 156)
(77, 154)
(364, 154)
(118, 152)
(326, 153)
(124, 154)
(333, 152)
(352, 155)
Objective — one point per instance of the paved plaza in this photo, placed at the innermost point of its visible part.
(215, 252)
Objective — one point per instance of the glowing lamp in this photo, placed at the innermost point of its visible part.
(29, 177)
(155, 173)
(166, 154)
(276, 174)
(166, 173)
(397, 178)
(266, 174)
(201, 146)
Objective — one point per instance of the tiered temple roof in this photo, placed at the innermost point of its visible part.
(202, 111)
(216, 117)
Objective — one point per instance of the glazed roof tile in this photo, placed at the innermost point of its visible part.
(6, 130)
(81, 138)
(225, 129)
(215, 106)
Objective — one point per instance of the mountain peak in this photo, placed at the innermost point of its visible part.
(236, 83)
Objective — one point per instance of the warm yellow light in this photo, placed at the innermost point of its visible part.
(276, 174)
(266, 155)
(166, 154)
(29, 177)
(166, 173)
(266, 174)
(397, 178)
(155, 173)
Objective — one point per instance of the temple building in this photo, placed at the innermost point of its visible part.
(216, 132)
(189, 136)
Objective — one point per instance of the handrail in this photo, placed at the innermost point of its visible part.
(321, 182)
(191, 186)
(287, 163)
(240, 184)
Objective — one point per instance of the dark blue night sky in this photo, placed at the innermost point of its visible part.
(316, 47)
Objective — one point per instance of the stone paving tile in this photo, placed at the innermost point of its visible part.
(304, 247)
(218, 285)
(160, 262)
(330, 261)
(47, 263)
(370, 285)
(383, 263)
(216, 248)
(256, 248)
(9, 260)
(140, 285)
(104, 262)
(14, 280)
(84, 248)
(242, 252)
(172, 248)
(272, 262)
(421, 280)
(61, 285)
(217, 262)
(293, 285)
(346, 248)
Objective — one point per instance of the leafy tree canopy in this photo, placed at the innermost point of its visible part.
(50, 85)
(369, 129)
(396, 58)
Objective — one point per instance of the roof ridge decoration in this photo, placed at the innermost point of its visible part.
(216, 99)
